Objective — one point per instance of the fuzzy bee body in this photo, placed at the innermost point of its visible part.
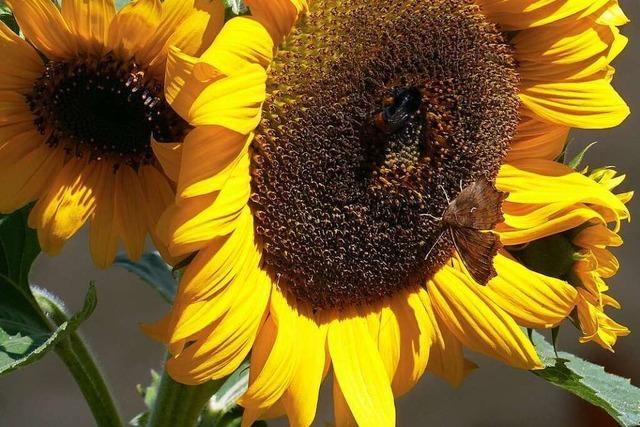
(398, 110)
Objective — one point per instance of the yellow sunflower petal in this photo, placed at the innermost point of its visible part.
(596, 325)
(20, 65)
(233, 101)
(180, 89)
(360, 371)
(243, 41)
(587, 105)
(103, 234)
(14, 110)
(259, 354)
(130, 211)
(223, 149)
(523, 226)
(521, 14)
(169, 155)
(300, 400)
(597, 236)
(532, 299)
(174, 12)
(416, 338)
(478, 322)
(385, 331)
(539, 181)
(537, 139)
(199, 219)
(195, 34)
(70, 201)
(133, 26)
(273, 378)
(342, 413)
(28, 177)
(205, 290)
(43, 25)
(159, 196)
(221, 348)
(19, 146)
(556, 53)
(278, 16)
(446, 357)
(89, 21)
(612, 14)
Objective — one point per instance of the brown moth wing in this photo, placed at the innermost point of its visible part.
(477, 250)
(477, 206)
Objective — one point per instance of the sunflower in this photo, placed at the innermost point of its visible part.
(583, 259)
(81, 99)
(321, 219)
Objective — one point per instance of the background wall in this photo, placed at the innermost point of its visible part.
(45, 394)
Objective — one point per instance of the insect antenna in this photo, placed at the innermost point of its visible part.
(445, 193)
(434, 244)
(428, 215)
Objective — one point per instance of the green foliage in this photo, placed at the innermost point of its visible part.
(154, 271)
(7, 17)
(577, 160)
(590, 382)
(220, 411)
(27, 345)
(26, 334)
(149, 395)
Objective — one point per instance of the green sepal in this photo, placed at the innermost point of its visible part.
(577, 160)
(616, 395)
(554, 339)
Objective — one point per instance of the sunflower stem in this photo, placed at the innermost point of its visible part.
(76, 355)
(180, 404)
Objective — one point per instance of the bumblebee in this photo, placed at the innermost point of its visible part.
(399, 108)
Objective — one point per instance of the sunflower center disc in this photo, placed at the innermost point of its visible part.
(375, 112)
(103, 107)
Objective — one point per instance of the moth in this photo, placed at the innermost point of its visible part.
(398, 109)
(469, 219)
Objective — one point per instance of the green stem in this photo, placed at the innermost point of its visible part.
(179, 404)
(78, 358)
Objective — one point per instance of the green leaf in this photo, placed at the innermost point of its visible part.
(153, 270)
(18, 247)
(19, 311)
(21, 345)
(590, 382)
(7, 17)
(577, 160)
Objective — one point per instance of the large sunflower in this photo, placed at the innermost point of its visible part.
(81, 98)
(315, 209)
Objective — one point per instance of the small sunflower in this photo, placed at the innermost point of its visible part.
(313, 196)
(580, 248)
(81, 99)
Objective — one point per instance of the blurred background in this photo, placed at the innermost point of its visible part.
(46, 395)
